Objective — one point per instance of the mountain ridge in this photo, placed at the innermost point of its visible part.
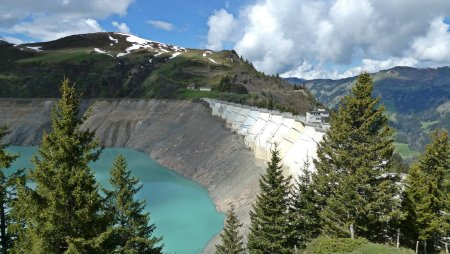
(115, 65)
(417, 99)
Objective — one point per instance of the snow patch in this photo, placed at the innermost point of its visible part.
(139, 43)
(176, 48)
(208, 52)
(114, 40)
(38, 48)
(135, 39)
(175, 55)
(101, 51)
(212, 60)
(159, 53)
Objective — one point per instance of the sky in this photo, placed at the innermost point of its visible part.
(302, 38)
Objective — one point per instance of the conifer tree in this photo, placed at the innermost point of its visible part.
(64, 212)
(7, 192)
(304, 217)
(133, 233)
(356, 194)
(427, 192)
(232, 241)
(269, 218)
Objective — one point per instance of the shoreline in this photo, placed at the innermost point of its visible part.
(179, 135)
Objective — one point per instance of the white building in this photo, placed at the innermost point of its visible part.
(204, 88)
(317, 116)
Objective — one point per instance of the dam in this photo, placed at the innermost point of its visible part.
(264, 129)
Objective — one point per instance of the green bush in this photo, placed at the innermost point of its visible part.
(327, 245)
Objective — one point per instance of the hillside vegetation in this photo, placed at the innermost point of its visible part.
(417, 101)
(325, 245)
(112, 65)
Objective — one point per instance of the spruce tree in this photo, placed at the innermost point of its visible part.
(304, 217)
(232, 241)
(7, 192)
(356, 194)
(132, 230)
(64, 211)
(269, 218)
(427, 192)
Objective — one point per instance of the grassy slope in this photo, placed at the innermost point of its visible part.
(325, 245)
(404, 150)
(372, 248)
(145, 73)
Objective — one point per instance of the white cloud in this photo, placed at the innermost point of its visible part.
(321, 38)
(51, 19)
(435, 45)
(54, 27)
(159, 24)
(221, 27)
(122, 27)
(13, 40)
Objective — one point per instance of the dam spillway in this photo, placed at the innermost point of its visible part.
(262, 129)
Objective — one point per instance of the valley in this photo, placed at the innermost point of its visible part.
(416, 101)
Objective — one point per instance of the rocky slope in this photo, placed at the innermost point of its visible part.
(180, 135)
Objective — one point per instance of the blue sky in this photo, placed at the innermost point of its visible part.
(303, 38)
(188, 19)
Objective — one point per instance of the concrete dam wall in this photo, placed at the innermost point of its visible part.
(263, 129)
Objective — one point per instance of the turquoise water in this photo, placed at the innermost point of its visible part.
(181, 209)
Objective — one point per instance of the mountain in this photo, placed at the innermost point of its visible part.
(3, 41)
(116, 65)
(417, 101)
(295, 81)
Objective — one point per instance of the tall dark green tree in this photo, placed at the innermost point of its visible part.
(356, 194)
(64, 212)
(7, 192)
(427, 192)
(269, 218)
(304, 216)
(133, 233)
(232, 241)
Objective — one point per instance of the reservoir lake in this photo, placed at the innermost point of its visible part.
(181, 209)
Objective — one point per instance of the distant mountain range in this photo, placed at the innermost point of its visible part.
(417, 100)
(117, 65)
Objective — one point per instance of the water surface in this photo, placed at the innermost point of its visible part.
(181, 209)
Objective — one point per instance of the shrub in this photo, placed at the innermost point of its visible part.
(327, 245)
